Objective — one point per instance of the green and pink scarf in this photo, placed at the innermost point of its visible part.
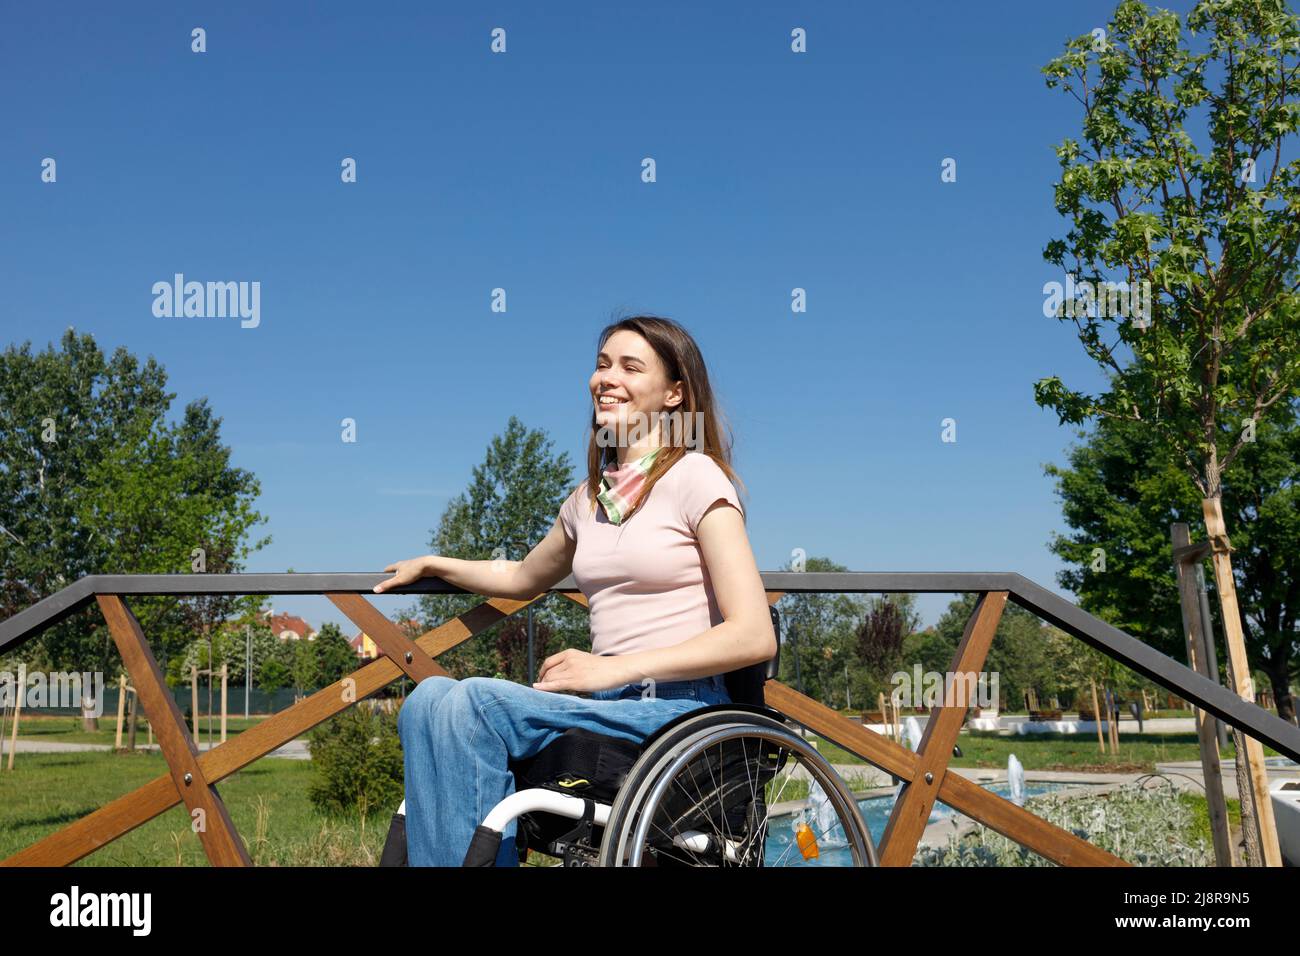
(620, 486)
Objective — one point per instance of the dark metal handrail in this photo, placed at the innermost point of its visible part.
(1198, 690)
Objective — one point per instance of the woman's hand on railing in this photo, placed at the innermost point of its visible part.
(412, 569)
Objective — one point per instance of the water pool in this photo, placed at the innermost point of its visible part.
(780, 848)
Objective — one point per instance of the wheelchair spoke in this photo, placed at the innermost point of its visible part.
(708, 809)
(729, 838)
(710, 801)
(780, 790)
(703, 804)
(718, 788)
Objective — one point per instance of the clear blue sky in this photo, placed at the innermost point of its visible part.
(522, 171)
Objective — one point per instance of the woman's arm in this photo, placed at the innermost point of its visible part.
(745, 636)
(542, 568)
(549, 563)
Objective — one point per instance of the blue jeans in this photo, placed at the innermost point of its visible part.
(457, 736)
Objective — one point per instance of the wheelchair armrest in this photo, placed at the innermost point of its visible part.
(745, 686)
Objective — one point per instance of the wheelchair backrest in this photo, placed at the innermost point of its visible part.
(745, 686)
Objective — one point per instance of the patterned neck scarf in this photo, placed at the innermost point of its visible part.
(620, 486)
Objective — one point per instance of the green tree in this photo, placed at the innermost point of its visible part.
(1184, 187)
(95, 480)
(336, 656)
(279, 661)
(822, 638)
(273, 674)
(929, 648)
(512, 501)
(306, 667)
(1120, 495)
(1080, 669)
(1211, 229)
(1021, 654)
(231, 643)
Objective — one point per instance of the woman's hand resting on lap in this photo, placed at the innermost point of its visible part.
(575, 670)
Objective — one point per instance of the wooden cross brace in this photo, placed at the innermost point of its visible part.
(224, 846)
(925, 773)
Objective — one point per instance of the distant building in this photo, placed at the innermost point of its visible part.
(367, 650)
(287, 627)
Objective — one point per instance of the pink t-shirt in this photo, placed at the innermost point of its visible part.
(645, 580)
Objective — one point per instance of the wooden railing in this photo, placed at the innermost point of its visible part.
(192, 776)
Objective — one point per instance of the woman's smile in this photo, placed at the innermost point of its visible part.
(606, 402)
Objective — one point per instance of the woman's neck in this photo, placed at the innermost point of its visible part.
(627, 453)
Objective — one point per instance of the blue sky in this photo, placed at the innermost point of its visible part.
(523, 171)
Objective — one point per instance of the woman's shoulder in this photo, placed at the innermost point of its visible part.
(701, 482)
(701, 466)
(695, 462)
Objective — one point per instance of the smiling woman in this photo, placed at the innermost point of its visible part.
(646, 584)
(655, 537)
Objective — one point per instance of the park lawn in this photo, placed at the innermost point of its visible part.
(67, 729)
(1138, 753)
(267, 802)
(269, 806)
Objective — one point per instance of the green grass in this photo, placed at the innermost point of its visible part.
(267, 802)
(68, 730)
(1138, 753)
(1200, 808)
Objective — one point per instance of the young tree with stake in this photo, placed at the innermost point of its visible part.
(1181, 181)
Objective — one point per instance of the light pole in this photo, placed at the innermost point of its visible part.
(248, 666)
(1211, 655)
(794, 646)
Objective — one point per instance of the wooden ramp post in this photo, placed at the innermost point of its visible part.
(1198, 647)
(208, 813)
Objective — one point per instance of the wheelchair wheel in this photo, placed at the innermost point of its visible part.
(735, 789)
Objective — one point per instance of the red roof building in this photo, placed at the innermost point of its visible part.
(287, 627)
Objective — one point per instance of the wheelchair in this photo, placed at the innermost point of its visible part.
(723, 785)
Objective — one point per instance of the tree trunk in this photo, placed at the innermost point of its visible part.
(1280, 680)
(131, 719)
(1251, 855)
(88, 719)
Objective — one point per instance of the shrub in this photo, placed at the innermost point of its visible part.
(1145, 826)
(357, 757)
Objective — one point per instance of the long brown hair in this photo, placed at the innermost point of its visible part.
(682, 362)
